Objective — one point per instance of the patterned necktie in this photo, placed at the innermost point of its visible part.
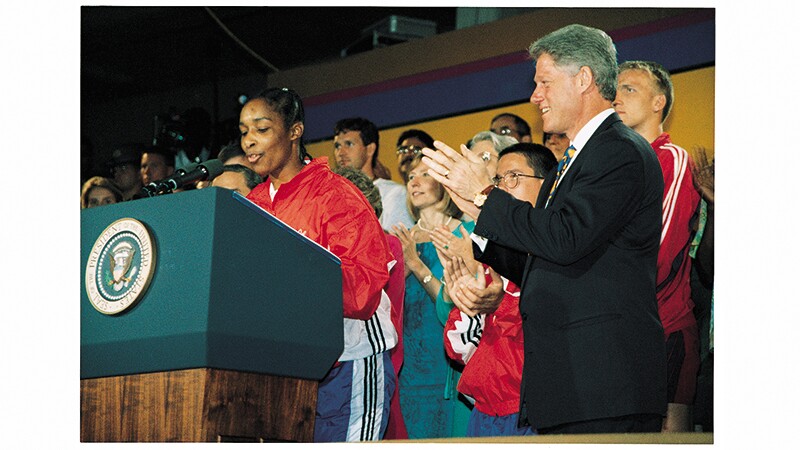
(562, 165)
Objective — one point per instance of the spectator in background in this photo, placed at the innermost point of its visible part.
(124, 167)
(157, 163)
(557, 143)
(507, 124)
(231, 153)
(355, 145)
(643, 102)
(488, 145)
(237, 177)
(99, 191)
(410, 144)
(395, 289)
(431, 406)
(702, 252)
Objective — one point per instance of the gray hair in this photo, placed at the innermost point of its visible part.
(576, 46)
(499, 142)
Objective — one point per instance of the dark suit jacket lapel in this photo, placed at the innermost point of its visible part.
(575, 167)
(549, 179)
(591, 143)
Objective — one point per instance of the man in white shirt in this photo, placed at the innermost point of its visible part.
(355, 145)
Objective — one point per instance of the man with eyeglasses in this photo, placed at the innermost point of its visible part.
(522, 169)
(124, 167)
(507, 124)
(410, 144)
(492, 346)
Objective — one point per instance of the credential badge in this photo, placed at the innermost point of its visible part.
(120, 266)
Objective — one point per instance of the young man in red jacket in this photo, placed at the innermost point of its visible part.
(644, 100)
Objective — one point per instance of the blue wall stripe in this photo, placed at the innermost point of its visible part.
(674, 49)
(416, 103)
(683, 47)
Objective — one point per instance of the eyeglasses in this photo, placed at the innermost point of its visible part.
(504, 131)
(511, 179)
(413, 149)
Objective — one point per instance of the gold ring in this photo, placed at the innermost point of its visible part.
(446, 173)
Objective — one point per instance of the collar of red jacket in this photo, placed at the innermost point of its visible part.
(661, 140)
(308, 174)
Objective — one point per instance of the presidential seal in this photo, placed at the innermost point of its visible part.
(120, 266)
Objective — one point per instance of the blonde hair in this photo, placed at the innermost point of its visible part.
(445, 203)
(661, 80)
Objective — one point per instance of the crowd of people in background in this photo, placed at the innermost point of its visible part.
(518, 288)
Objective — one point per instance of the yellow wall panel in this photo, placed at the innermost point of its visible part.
(692, 119)
(690, 123)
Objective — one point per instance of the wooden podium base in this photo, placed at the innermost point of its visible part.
(198, 405)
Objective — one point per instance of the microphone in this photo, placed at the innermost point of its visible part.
(152, 188)
(204, 171)
(193, 172)
(188, 168)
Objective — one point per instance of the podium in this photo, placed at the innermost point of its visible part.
(236, 318)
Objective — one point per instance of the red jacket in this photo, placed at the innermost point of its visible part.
(493, 370)
(674, 265)
(396, 290)
(331, 211)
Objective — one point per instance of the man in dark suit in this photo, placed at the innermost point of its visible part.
(585, 256)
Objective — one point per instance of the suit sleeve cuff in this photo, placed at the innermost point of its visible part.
(480, 241)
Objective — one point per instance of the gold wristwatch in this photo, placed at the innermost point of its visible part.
(480, 197)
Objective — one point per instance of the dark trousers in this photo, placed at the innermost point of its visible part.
(634, 423)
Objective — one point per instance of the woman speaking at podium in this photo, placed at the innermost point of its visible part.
(353, 398)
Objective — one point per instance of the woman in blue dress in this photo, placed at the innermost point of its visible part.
(430, 403)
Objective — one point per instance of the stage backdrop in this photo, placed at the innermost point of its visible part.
(690, 123)
(454, 102)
